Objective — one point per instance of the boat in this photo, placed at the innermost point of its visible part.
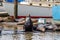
(37, 9)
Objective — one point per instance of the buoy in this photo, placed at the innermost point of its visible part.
(28, 25)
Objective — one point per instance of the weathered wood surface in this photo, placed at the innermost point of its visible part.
(11, 25)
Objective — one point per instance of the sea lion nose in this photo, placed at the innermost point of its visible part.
(28, 26)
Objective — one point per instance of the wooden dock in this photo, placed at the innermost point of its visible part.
(20, 24)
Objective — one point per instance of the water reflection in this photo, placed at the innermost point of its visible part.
(32, 36)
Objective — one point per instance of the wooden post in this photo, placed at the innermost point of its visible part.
(15, 8)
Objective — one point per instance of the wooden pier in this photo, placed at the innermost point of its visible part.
(19, 25)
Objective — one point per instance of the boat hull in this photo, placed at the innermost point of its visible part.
(23, 10)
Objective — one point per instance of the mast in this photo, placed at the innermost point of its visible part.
(15, 9)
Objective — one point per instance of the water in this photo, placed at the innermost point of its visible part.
(32, 36)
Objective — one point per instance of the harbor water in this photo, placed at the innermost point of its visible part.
(31, 36)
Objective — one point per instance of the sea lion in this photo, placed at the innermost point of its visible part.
(28, 25)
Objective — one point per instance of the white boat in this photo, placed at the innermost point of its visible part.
(40, 9)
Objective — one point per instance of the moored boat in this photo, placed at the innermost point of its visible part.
(40, 9)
